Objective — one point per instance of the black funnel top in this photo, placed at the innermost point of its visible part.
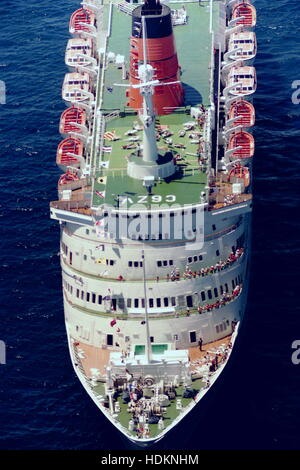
(151, 7)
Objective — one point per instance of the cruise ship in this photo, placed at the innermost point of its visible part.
(154, 202)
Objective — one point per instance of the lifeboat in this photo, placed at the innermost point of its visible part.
(240, 172)
(245, 141)
(67, 152)
(244, 78)
(244, 111)
(246, 42)
(76, 87)
(67, 178)
(69, 118)
(247, 14)
(79, 51)
(82, 20)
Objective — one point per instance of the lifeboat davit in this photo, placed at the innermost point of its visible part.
(245, 141)
(247, 14)
(68, 151)
(69, 118)
(244, 111)
(67, 178)
(240, 172)
(82, 20)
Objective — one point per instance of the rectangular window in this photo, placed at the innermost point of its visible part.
(190, 259)
(165, 263)
(130, 264)
(151, 303)
(128, 303)
(171, 262)
(173, 301)
(203, 297)
(189, 300)
(209, 293)
(166, 301)
(109, 340)
(200, 257)
(71, 257)
(136, 264)
(99, 299)
(87, 296)
(226, 287)
(233, 284)
(151, 339)
(195, 259)
(77, 293)
(217, 253)
(159, 264)
(143, 303)
(216, 292)
(193, 337)
(93, 298)
(82, 295)
(136, 303)
(213, 227)
(217, 328)
(158, 302)
(221, 290)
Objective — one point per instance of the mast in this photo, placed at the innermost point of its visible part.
(148, 343)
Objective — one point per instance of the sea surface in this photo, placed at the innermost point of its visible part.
(42, 404)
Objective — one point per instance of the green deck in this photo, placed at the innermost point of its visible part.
(193, 43)
(170, 414)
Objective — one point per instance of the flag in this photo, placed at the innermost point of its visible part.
(101, 180)
(113, 322)
(100, 194)
(107, 148)
(99, 223)
(109, 135)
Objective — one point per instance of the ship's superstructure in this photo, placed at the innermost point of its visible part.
(155, 201)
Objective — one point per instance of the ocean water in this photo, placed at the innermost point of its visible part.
(42, 404)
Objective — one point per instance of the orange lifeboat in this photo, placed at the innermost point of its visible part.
(245, 141)
(69, 118)
(67, 177)
(245, 111)
(67, 151)
(240, 172)
(81, 20)
(247, 14)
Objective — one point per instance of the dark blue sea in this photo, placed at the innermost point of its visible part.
(42, 404)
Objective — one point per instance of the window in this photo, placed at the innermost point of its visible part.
(171, 262)
(151, 339)
(203, 297)
(82, 295)
(226, 287)
(87, 296)
(77, 293)
(151, 303)
(158, 302)
(189, 300)
(87, 231)
(130, 264)
(200, 257)
(173, 301)
(193, 338)
(84, 257)
(165, 263)
(209, 293)
(128, 303)
(221, 290)
(175, 337)
(216, 292)
(190, 259)
(159, 264)
(136, 264)
(109, 340)
(136, 303)
(195, 258)
(93, 298)
(166, 301)
(213, 227)
(217, 253)
(71, 257)
(143, 303)
(233, 284)
(99, 299)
